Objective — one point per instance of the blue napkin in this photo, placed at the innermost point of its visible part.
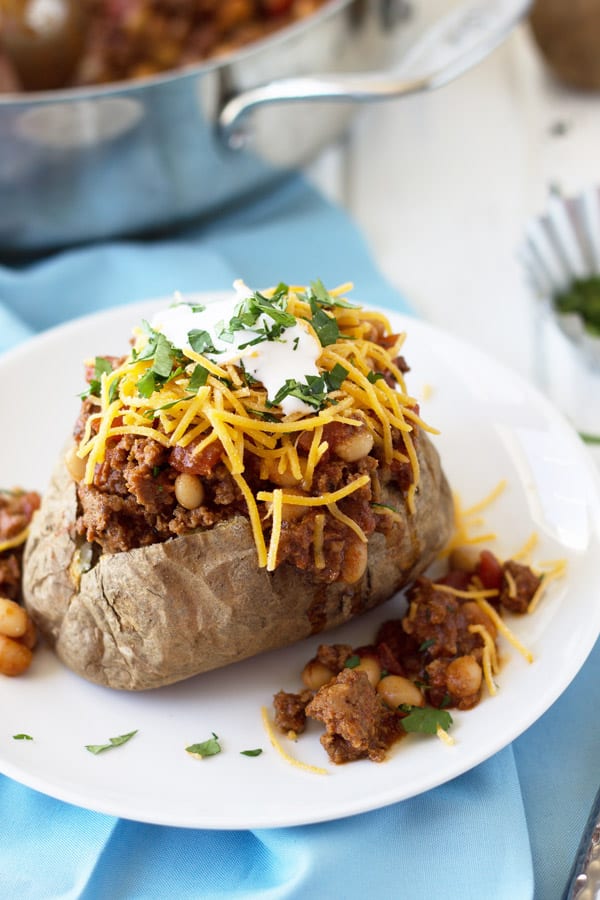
(507, 830)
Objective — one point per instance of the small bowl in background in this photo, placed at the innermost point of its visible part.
(561, 250)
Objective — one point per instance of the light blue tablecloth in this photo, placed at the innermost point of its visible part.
(493, 833)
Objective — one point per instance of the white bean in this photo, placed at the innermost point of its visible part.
(75, 465)
(15, 657)
(396, 691)
(13, 618)
(189, 491)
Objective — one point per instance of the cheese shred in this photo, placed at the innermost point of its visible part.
(315, 770)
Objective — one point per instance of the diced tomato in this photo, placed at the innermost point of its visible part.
(190, 460)
(456, 578)
(489, 571)
(276, 7)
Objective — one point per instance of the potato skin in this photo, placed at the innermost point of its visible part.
(156, 615)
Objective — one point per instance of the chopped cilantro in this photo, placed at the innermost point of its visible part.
(147, 384)
(315, 388)
(201, 341)
(326, 327)
(374, 376)
(426, 645)
(582, 298)
(256, 752)
(336, 377)
(198, 378)
(261, 414)
(112, 742)
(22, 737)
(321, 295)
(164, 356)
(151, 413)
(425, 719)
(206, 748)
(352, 662)
(102, 367)
(312, 393)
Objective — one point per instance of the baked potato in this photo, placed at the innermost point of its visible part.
(135, 587)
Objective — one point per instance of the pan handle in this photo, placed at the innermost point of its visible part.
(452, 45)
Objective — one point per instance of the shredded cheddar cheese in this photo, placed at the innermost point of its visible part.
(557, 569)
(316, 770)
(444, 737)
(489, 656)
(16, 541)
(504, 629)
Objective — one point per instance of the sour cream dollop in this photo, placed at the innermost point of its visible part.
(293, 355)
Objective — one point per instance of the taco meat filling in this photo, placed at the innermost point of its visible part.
(16, 509)
(418, 667)
(132, 500)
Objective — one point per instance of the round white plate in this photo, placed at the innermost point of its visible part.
(493, 426)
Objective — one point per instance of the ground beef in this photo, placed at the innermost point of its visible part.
(334, 656)
(132, 38)
(290, 710)
(16, 510)
(132, 502)
(525, 582)
(437, 618)
(357, 722)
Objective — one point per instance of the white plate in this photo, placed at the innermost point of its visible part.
(493, 426)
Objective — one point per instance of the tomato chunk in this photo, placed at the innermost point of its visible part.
(489, 571)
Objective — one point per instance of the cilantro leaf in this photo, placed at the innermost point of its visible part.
(205, 748)
(425, 719)
(336, 377)
(163, 357)
(312, 393)
(112, 742)
(201, 341)
(319, 292)
(374, 376)
(426, 645)
(326, 327)
(256, 752)
(102, 367)
(147, 384)
(198, 378)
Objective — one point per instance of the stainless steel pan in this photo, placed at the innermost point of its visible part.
(84, 164)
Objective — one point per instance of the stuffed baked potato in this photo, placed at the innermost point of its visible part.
(248, 475)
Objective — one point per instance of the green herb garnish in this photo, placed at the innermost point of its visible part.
(22, 737)
(321, 295)
(201, 341)
(198, 378)
(426, 645)
(373, 377)
(256, 752)
(206, 748)
(102, 367)
(326, 327)
(582, 298)
(336, 377)
(425, 719)
(352, 662)
(112, 742)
